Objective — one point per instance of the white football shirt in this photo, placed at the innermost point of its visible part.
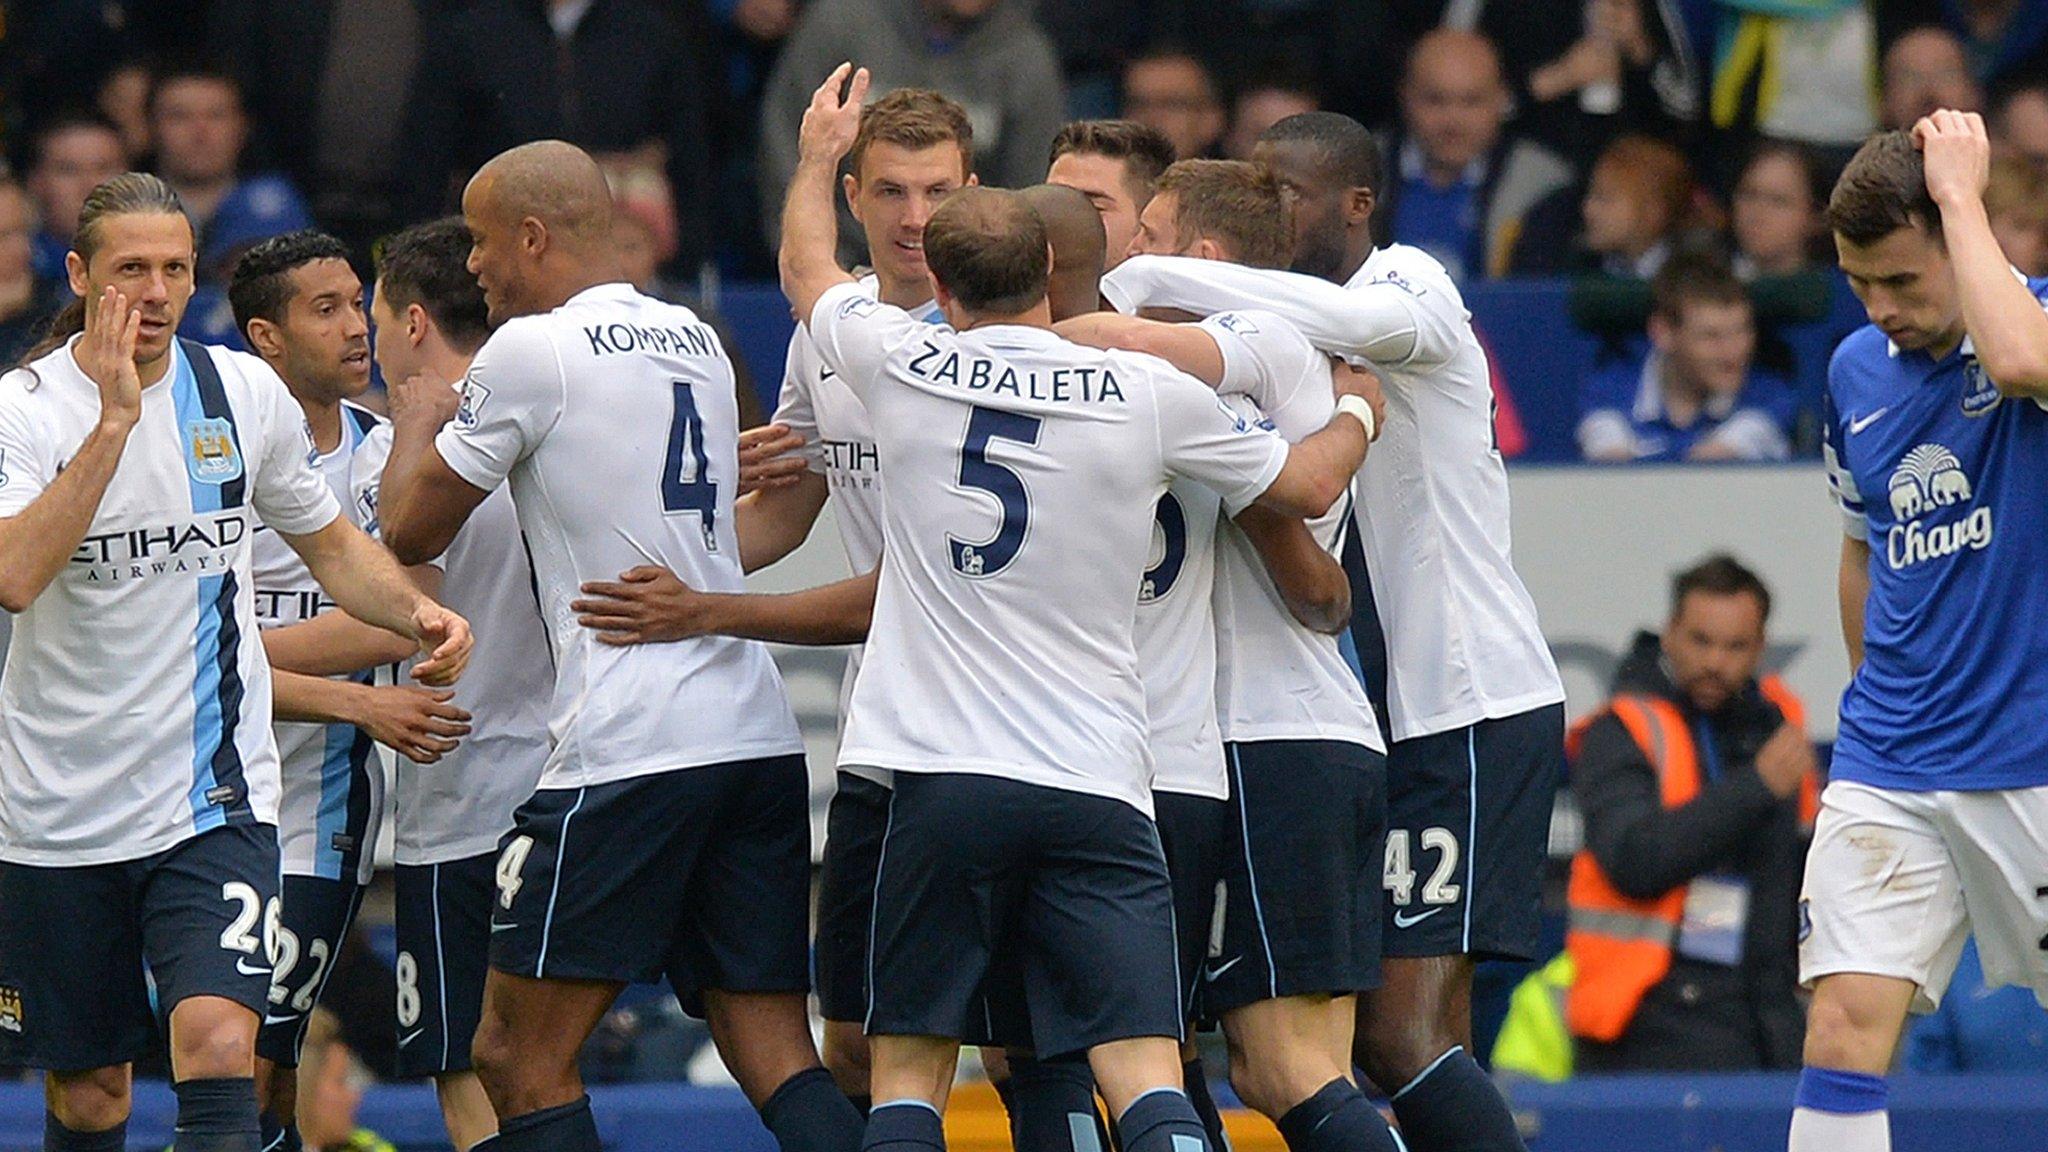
(839, 444)
(1463, 639)
(615, 420)
(317, 763)
(460, 806)
(1175, 634)
(1024, 474)
(1276, 678)
(135, 704)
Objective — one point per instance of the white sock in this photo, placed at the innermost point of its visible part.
(1817, 1131)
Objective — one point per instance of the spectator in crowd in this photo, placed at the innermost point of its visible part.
(326, 83)
(985, 54)
(1639, 207)
(68, 157)
(124, 100)
(331, 1083)
(197, 121)
(1798, 72)
(26, 301)
(1979, 1029)
(1115, 163)
(1695, 783)
(1171, 89)
(610, 76)
(1462, 183)
(2019, 123)
(1774, 216)
(1696, 395)
(2016, 199)
(1264, 102)
(1925, 69)
(1582, 78)
(1345, 45)
(2002, 39)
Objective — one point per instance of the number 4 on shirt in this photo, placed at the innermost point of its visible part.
(694, 492)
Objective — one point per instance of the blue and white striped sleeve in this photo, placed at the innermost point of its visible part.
(1841, 481)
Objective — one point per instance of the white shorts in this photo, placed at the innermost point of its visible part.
(1896, 881)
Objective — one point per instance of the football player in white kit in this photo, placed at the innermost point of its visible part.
(1297, 930)
(298, 305)
(135, 738)
(1472, 697)
(430, 320)
(671, 833)
(1050, 459)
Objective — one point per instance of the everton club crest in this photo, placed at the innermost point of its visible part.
(1980, 395)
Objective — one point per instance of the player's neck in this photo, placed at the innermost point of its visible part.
(905, 293)
(323, 422)
(444, 363)
(1357, 250)
(1038, 315)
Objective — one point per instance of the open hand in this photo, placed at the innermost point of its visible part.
(831, 123)
(106, 352)
(768, 459)
(417, 723)
(646, 605)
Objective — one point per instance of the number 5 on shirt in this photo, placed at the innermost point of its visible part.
(991, 556)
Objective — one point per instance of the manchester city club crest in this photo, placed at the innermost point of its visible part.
(210, 453)
(1980, 395)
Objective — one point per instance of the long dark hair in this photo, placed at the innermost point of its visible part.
(130, 193)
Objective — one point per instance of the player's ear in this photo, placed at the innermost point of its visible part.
(1207, 249)
(74, 271)
(533, 236)
(973, 180)
(1358, 206)
(263, 338)
(416, 322)
(850, 184)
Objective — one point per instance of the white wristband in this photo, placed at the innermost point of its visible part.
(1360, 411)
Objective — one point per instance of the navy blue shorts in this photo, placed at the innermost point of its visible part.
(74, 943)
(444, 944)
(315, 915)
(702, 875)
(854, 827)
(1070, 888)
(1300, 911)
(1196, 834)
(1468, 834)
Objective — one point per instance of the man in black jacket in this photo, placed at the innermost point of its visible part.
(1691, 787)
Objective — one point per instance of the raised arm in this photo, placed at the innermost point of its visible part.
(1377, 323)
(368, 583)
(651, 606)
(36, 542)
(810, 224)
(1185, 346)
(2006, 324)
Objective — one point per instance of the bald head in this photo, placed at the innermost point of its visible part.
(987, 248)
(1455, 51)
(553, 182)
(1079, 247)
(1453, 101)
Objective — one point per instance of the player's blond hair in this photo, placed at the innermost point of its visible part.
(913, 118)
(1235, 203)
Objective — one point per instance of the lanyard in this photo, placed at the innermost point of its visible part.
(1709, 754)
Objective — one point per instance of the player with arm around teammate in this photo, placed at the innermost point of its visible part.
(1004, 409)
(670, 834)
(1446, 632)
(1934, 823)
(136, 749)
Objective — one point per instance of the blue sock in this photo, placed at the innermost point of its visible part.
(1836, 1111)
(58, 1138)
(1454, 1107)
(217, 1115)
(810, 1114)
(904, 1126)
(1196, 1078)
(279, 1135)
(1162, 1120)
(563, 1128)
(1052, 1106)
(1338, 1118)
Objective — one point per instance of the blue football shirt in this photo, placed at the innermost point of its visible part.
(1948, 482)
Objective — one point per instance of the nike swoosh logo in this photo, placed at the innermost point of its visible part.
(1216, 970)
(1865, 421)
(1404, 920)
(415, 1034)
(242, 966)
(497, 928)
(286, 1019)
